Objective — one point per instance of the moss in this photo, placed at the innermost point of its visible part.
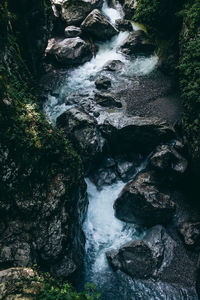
(35, 150)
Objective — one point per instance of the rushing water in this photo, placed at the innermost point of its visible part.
(103, 231)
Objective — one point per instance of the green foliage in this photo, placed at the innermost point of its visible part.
(189, 72)
(147, 12)
(55, 290)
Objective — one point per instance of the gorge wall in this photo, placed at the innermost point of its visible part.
(43, 196)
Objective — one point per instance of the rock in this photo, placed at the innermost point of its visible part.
(20, 283)
(107, 100)
(81, 129)
(72, 31)
(75, 11)
(142, 201)
(71, 51)
(103, 177)
(190, 231)
(98, 26)
(125, 169)
(134, 258)
(136, 134)
(123, 25)
(103, 83)
(113, 65)
(137, 43)
(167, 160)
(129, 8)
(157, 256)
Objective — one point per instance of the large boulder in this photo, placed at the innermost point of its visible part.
(137, 43)
(70, 51)
(98, 26)
(123, 25)
(73, 12)
(134, 258)
(81, 129)
(134, 134)
(156, 256)
(143, 201)
(169, 162)
(72, 31)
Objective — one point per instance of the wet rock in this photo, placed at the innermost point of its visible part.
(129, 8)
(107, 100)
(72, 31)
(113, 65)
(137, 43)
(70, 51)
(136, 134)
(123, 25)
(98, 26)
(104, 176)
(143, 201)
(134, 258)
(190, 232)
(74, 12)
(156, 256)
(103, 83)
(167, 160)
(81, 129)
(125, 169)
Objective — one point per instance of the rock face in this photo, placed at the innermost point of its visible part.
(70, 51)
(75, 11)
(44, 231)
(156, 256)
(98, 26)
(143, 202)
(81, 129)
(136, 134)
(137, 43)
(72, 31)
(168, 161)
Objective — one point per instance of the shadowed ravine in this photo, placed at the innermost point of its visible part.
(102, 229)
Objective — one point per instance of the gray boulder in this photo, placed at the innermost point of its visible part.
(81, 129)
(156, 256)
(97, 26)
(137, 43)
(136, 134)
(113, 65)
(70, 51)
(142, 201)
(73, 12)
(72, 31)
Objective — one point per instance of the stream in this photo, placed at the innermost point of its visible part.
(103, 231)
